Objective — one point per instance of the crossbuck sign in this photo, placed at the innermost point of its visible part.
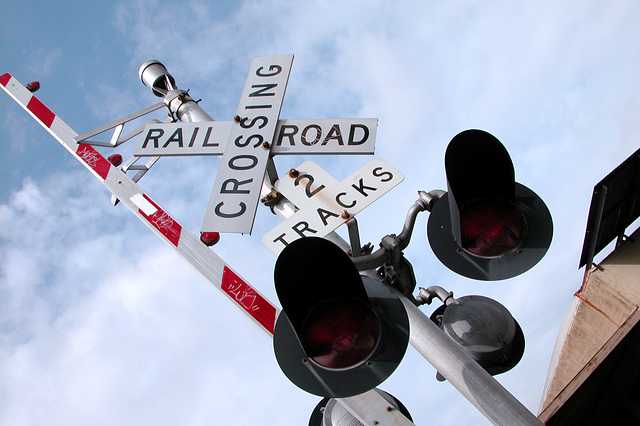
(247, 143)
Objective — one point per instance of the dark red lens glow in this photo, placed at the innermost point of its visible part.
(115, 159)
(210, 238)
(340, 334)
(33, 86)
(491, 228)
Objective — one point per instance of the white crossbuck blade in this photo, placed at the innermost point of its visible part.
(292, 137)
(365, 407)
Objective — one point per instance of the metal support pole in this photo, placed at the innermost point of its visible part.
(466, 375)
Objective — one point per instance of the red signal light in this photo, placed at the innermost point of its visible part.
(491, 228)
(115, 159)
(340, 334)
(487, 226)
(33, 86)
(209, 238)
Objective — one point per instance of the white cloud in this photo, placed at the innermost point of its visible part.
(91, 323)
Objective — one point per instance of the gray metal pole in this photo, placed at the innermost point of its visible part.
(466, 375)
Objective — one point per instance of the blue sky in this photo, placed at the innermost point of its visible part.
(102, 324)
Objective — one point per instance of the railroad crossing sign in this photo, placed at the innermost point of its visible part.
(247, 143)
(324, 202)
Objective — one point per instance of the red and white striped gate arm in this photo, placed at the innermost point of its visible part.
(201, 257)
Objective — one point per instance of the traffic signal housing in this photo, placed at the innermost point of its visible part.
(339, 334)
(487, 226)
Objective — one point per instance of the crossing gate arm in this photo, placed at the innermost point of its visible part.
(203, 259)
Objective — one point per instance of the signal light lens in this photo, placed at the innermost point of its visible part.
(115, 159)
(210, 238)
(340, 334)
(33, 86)
(491, 228)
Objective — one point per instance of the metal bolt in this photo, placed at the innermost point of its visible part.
(375, 422)
(237, 119)
(293, 173)
(266, 145)
(345, 215)
(389, 408)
